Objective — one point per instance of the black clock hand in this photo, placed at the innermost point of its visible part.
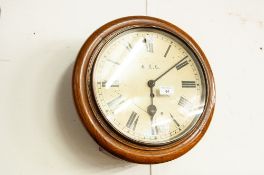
(179, 62)
(151, 108)
(151, 83)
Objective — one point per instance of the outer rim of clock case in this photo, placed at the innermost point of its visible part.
(102, 133)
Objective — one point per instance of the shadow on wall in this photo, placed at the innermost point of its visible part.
(82, 148)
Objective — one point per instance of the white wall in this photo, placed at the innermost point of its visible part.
(40, 132)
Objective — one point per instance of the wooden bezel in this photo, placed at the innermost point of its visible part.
(92, 118)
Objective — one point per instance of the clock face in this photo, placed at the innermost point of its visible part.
(149, 86)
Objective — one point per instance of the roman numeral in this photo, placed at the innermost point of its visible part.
(155, 130)
(114, 62)
(175, 121)
(116, 102)
(132, 121)
(167, 51)
(183, 62)
(188, 84)
(114, 84)
(129, 46)
(184, 102)
(149, 44)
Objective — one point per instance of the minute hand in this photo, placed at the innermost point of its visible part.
(179, 62)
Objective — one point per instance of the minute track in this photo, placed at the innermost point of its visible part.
(144, 122)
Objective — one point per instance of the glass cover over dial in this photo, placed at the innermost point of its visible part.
(149, 86)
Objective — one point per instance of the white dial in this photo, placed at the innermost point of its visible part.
(149, 85)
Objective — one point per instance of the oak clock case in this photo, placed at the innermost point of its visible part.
(143, 89)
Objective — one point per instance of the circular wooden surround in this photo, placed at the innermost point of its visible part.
(94, 121)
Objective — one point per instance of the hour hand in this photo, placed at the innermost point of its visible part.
(151, 108)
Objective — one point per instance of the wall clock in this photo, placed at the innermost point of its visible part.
(143, 89)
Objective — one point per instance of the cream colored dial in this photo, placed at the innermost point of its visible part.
(149, 86)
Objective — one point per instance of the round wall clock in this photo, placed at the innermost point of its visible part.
(143, 89)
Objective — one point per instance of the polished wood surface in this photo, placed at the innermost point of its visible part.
(91, 116)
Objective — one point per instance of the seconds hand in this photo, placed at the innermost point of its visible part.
(151, 83)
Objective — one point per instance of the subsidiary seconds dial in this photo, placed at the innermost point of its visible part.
(149, 86)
